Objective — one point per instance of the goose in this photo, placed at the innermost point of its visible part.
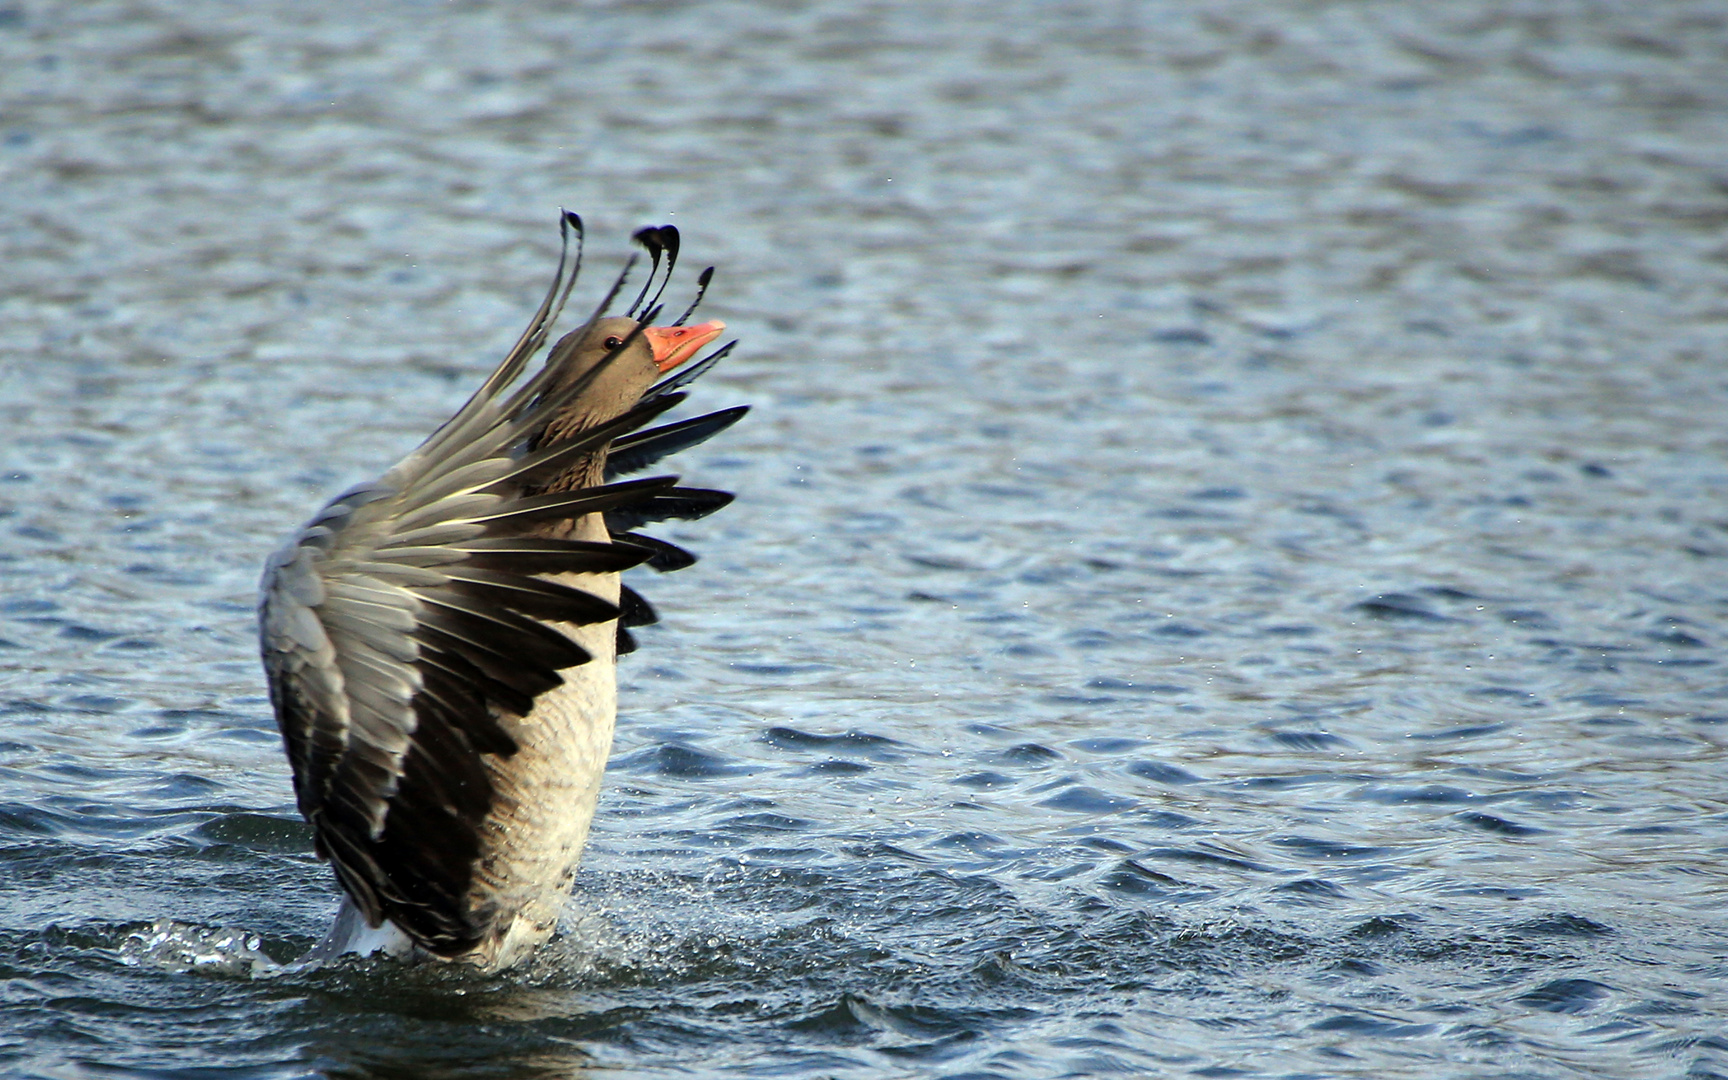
(441, 643)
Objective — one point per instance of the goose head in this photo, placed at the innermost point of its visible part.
(619, 359)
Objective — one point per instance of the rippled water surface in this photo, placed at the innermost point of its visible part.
(1228, 577)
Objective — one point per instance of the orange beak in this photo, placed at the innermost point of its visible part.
(673, 345)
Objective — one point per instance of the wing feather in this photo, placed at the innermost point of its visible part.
(662, 556)
(674, 503)
(642, 449)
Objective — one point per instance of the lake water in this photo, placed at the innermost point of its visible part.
(1228, 572)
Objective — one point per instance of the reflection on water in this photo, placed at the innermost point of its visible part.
(1226, 575)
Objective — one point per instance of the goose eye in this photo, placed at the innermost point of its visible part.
(613, 342)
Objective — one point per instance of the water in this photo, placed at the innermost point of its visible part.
(1227, 577)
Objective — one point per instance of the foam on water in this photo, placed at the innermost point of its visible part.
(206, 950)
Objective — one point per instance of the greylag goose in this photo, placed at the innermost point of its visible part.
(441, 642)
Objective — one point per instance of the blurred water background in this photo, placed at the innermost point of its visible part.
(1228, 577)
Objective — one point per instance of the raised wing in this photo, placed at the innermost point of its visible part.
(404, 619)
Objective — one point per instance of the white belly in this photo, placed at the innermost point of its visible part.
(543, 796)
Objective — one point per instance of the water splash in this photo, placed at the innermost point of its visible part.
(182, 947)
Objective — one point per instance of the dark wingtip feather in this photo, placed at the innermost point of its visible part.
(658, 240)
(702, 281)
(633, 610)
(537, 555)
(680, 504)
(666, 557)
(572, 223)
(633, 453)
(668, 238)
